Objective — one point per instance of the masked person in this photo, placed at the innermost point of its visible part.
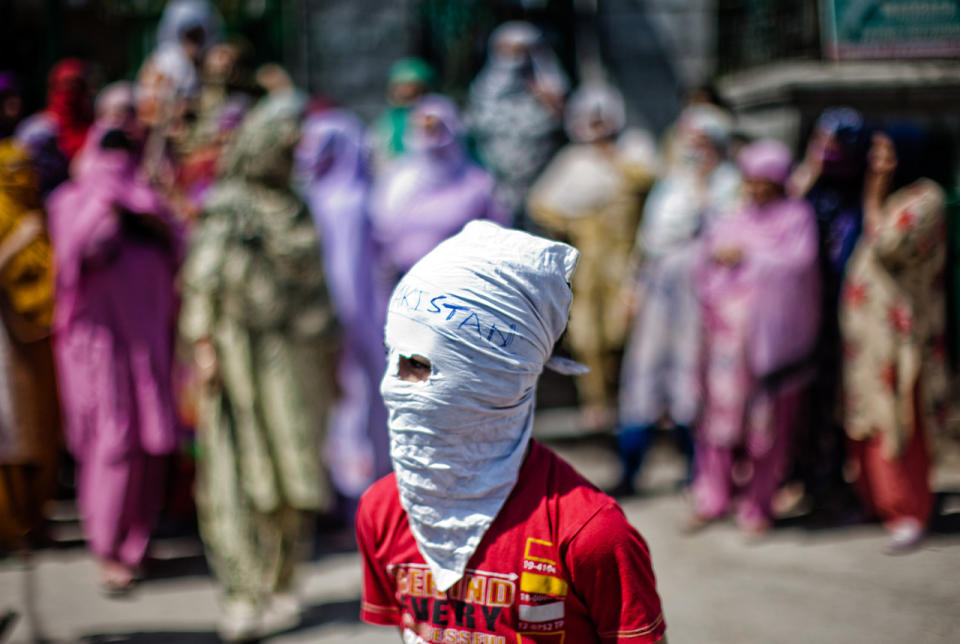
(591, 195)
(427, 194)
(759, 288)
(409, 80)
(332, 167)
(257, 313)
(661, 366)
(893, 321)
(481, 533)
(117, 249)
(515, 111)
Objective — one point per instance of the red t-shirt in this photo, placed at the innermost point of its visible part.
(560, 565)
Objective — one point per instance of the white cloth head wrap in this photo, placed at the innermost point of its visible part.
(589, 102)
(485, 307)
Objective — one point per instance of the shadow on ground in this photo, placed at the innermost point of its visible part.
(339, 612)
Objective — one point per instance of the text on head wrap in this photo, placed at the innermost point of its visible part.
(453, 311)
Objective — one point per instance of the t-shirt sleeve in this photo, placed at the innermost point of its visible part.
(378, 605)
(611, 572)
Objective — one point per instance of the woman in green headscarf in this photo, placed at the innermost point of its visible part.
(409, 80)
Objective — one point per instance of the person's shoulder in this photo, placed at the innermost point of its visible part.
(578, 499)
(380, 500)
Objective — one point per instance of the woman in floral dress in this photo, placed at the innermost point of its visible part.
(893, 323)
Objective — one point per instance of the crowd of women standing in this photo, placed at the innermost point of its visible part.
(225, 248)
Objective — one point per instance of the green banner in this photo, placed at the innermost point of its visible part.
(891, 28)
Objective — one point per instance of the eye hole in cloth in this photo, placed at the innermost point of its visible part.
(414, 368)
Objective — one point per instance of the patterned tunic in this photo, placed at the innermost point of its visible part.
(893, 321)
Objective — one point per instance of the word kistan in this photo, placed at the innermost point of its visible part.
(453, 311)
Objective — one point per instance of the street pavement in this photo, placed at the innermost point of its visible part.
(719, 587)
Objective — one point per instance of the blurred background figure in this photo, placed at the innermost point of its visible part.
(115, 109)
(172, 72)
(409, 80)
(227, 91)
(515, 111)
(830, 178)
(169, 82)
(759, 289)
(895, 378)
(591, 196)
(257, 313)
(117, 249)
(332, 166)
(53, 136)
(11, 103)
(427, 194)
(29, 412)
(660, 376)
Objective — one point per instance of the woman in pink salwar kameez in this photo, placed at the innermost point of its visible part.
(759, 291)
(116, 248)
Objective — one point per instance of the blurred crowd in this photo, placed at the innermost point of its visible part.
(200, 263)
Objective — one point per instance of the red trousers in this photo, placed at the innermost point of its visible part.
(898, 488)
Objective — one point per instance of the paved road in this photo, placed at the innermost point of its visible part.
(795, 586)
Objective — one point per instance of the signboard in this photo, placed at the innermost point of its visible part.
(890, 28)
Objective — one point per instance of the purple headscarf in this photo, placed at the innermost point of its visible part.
(429, 193)
(766, 159)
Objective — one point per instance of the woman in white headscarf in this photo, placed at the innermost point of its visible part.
(661, 377)
(515, 110)
(482, 534)
(591, 195)
(170, 76)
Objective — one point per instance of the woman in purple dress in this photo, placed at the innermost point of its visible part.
(758, 284)
(332, 170)
(428, 194)
(117, 248)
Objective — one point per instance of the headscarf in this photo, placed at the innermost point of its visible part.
(486, 308)
(766, 159)
(182, 16)
(331, 155)
(68, 102)
(710, 120)
(170, 62)
(590, 102)
(38, 136)
(114, 109)
(432, 159)
(411, 70)
(508, 74)
(848, 158)
(428, 194)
